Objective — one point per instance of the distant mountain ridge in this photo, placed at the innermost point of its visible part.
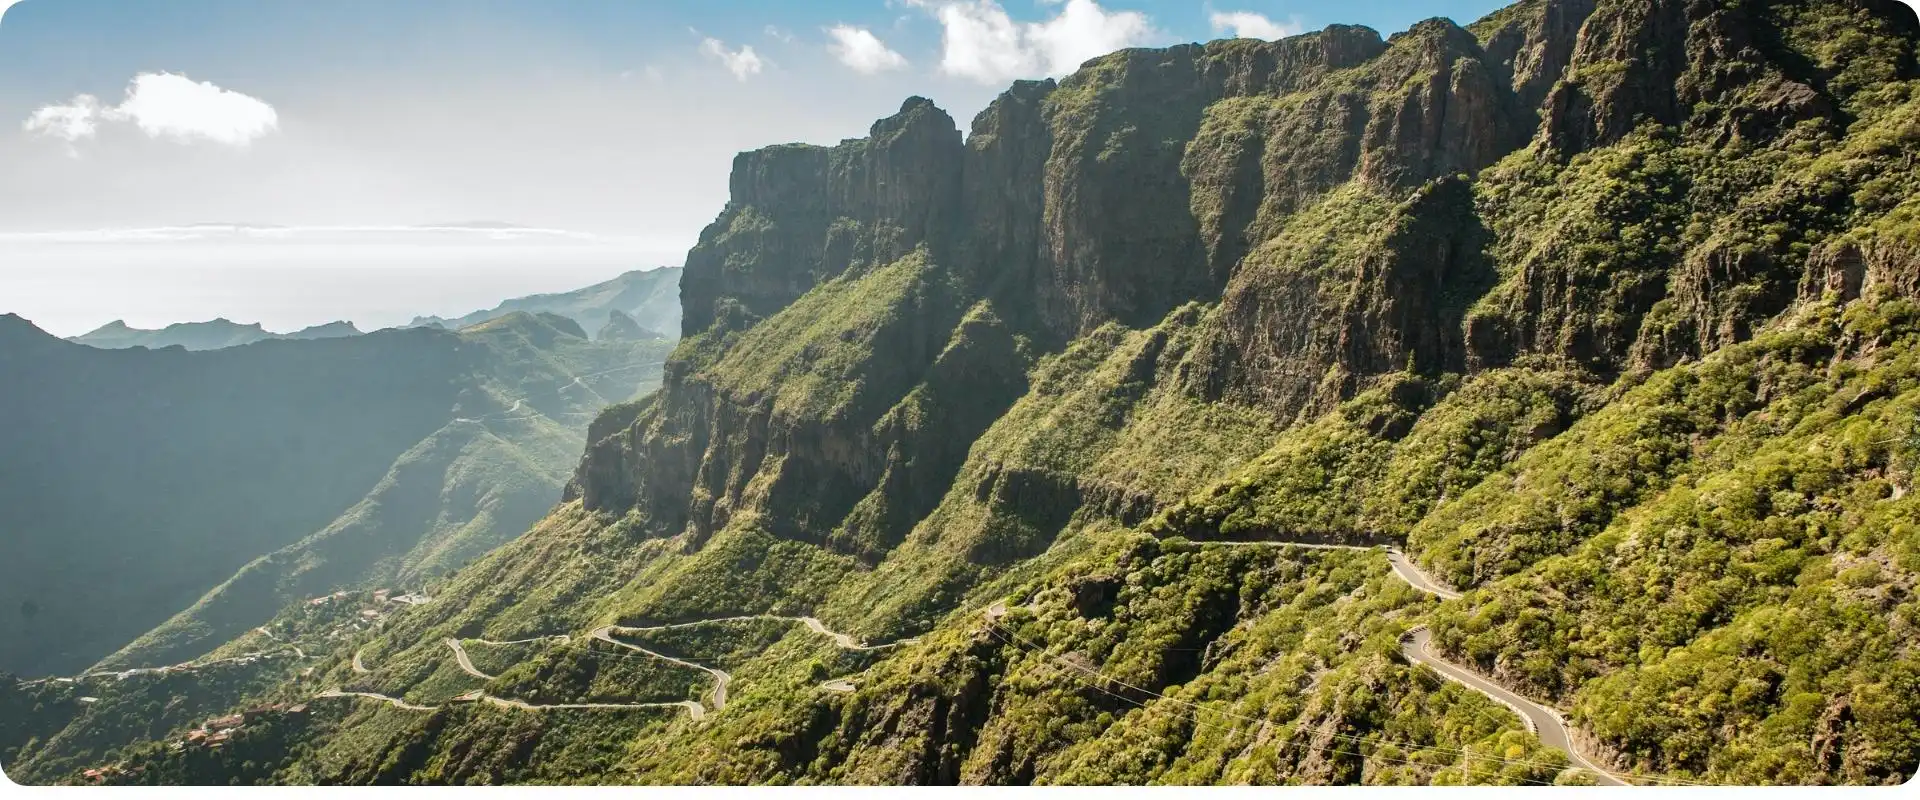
(142, 480)
(210, 335)
(651, 297)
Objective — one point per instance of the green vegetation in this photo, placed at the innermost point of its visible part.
(1069, 403)
(291, 469)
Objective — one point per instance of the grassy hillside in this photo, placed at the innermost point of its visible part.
(1137, 436)
(259, 475)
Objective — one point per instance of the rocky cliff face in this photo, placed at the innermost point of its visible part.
(1603, 310)
(801, 214)
(1132, 298)
(1327, 191)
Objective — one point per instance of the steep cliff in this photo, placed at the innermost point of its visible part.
(1603, 310)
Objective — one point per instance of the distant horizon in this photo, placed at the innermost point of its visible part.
(271, 329)
(71, 288)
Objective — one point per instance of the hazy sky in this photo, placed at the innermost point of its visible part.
(617, 119)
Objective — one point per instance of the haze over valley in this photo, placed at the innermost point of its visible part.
(961, 392)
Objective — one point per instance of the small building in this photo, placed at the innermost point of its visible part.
(380, 595)
(370, 613)
(89, 700)
(227, 722)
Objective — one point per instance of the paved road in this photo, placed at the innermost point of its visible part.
(558, 637)
(813, 624)
(848, 642)
(1542, 720)
(185, 666)
(693, 709)
(720, 677)
(1403, 567)
(392, 701)
(466, 664)
(1415, 577)
(837, 685)
(357, 666)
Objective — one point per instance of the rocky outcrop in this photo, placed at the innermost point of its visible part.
(1303, 326)
(800, 214)
(1439, 109)
(1531, 43)
(1850, 269)
(859, 314)
(1625, 65)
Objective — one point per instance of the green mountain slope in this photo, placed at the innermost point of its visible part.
(651, 298)
(141, 480)
(1139, 431)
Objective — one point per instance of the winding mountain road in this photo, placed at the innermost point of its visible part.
(1411, 573)
(187, 666)
(1544, 721)
(466, 664)
(1403, 567)
(848, 642)
(694, 710)
(845, 641)
(392, 701)
(720, 677)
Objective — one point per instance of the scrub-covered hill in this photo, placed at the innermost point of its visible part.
(1136, 435)
(139, 480)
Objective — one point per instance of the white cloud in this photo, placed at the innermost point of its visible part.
(1248, 25)
(980, 41)
(168, 105)
(864, 52)
(777, 32)
(743, 63)
(76, 120)
(163, 105)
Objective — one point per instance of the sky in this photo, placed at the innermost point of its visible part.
(125, 123)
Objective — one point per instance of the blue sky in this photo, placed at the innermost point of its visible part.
(122, 120)
(613, 117)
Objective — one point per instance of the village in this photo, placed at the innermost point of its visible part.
(215, 733)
